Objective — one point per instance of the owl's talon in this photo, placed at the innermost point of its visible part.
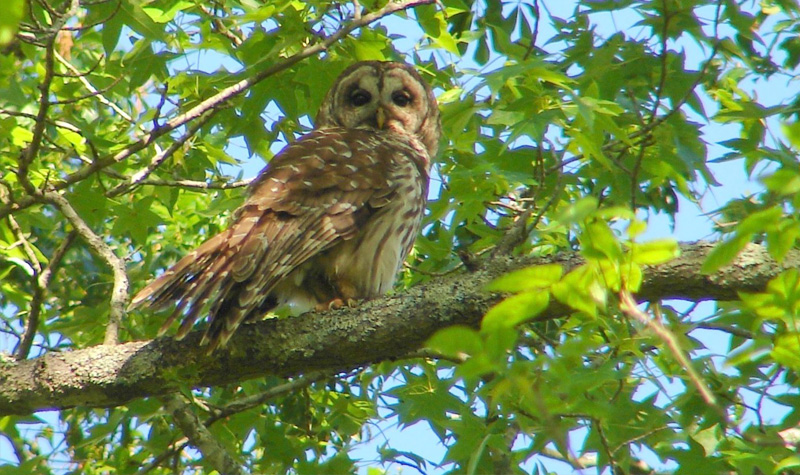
(336, 304)
(332, 305)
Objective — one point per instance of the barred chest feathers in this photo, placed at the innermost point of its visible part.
(365, 266)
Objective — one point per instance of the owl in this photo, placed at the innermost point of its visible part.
(328, 222)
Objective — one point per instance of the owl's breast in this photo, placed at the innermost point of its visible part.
(367, 264)
(376, 211)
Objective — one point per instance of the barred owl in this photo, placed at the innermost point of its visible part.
(328, 222)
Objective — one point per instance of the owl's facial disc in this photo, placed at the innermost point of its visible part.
(369, 92)
(394, 91)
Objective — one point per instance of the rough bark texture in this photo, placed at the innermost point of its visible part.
(111, 375)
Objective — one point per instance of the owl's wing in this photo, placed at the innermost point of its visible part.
(315, 193)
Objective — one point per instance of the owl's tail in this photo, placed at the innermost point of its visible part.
(204, 280)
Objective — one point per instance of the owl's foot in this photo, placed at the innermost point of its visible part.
(336, 304)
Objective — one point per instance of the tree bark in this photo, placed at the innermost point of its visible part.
(388, 328)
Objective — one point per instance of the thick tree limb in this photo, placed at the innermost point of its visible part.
(383, 329)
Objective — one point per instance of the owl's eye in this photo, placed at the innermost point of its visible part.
(360, 97)
(401, 98)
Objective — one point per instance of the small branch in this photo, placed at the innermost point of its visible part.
(94, 92)
(520, 231)
(158, 159)
(730, 329)
(91, 94)
(427, 353)
(535, 32)
(42, 283)
(243, 85)
(54, 123)
(260, 399)
(662, 80)
(119, 293)
(240, 406)
(583, 462)
(176, 448)
(235, 38)
(36, 266)
(199, 436)
(32, 150)
(197, 185)
(598, 426)
(630, 307)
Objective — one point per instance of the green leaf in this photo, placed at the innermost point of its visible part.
(787, 350)
(782, 240)
(515, 310)
(580, 290)
(541, 276)
(164, 16)
(73, 138)
(725, 252)
(655, 252)
(21, 137)
(792, 461)
(709, 438)
(456, 340)
(783, 181)
(13, 12)
(600, 242)
(578, 211)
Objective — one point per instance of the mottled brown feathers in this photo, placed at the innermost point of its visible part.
(331, 218)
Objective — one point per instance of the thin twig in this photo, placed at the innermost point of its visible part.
(40, 286)
(583, 462)
(260, 399)
(630, 307)
(197, 185)
(219, 26)
(662, 80)
(598, 426)
(240, 406)
(520, 231)
(427, 353)
(735, 331)
(159, 158)
(55, 123)
(32, 150)
(27, 247)
(535, 32)
(177, 447)
(94, 92)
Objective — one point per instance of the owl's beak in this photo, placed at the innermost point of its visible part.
(380, 117)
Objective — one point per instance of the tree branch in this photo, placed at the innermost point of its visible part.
(383, 329)
(198, 434)
(41, 283)
(120, 290)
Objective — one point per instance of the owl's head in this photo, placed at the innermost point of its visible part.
(383, 95)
